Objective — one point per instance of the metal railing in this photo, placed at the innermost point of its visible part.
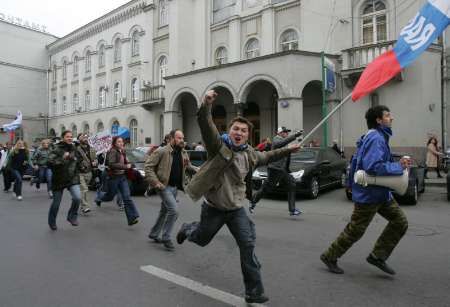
(359, 57)
(153, 93)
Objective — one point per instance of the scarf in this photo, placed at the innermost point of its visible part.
(227, 140)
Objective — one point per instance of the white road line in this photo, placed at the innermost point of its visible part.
(213, 293)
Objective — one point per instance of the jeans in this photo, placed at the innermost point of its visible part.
(6, 179)
(45, 174)
(72, 215)
(243, 231)
(275, 177)
(119, 184)
(167, 215)
(17, 176)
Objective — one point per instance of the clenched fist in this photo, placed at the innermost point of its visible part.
(210, 97)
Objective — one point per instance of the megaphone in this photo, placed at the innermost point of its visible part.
(397, 183)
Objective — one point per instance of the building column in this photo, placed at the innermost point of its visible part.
(172, 120)
(268, 31)
(290, 112)
(109, 54)
(125, 60)
(234, 40)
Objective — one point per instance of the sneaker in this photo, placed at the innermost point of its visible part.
(5, 191)
(296, 212)
(73, 222)
(50, 194)
(155, 239)
(52, 227)
(258, 299)
(133, 222)
(381, 264)
(86, 210)
(251, 207)
(181, 235)
(331, 264)
(19, 197)
(168, 245)
(98, 203)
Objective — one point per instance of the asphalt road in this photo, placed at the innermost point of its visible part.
(98, 263)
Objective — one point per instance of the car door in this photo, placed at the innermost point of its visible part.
(324, 168)
(335, 166)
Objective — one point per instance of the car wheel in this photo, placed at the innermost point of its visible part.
(348, 193)
(411, 196)
(313, 188)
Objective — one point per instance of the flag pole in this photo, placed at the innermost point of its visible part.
(324, 120)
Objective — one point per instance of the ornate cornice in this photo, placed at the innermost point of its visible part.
(119, 15)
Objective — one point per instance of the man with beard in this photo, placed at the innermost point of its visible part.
(223, 182)
(87, 163)
(165, 170)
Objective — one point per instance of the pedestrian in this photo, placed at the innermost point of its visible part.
(41, 166)
(433, 156)
(18, 161)
(87, 164)
(224, 181)
(165, 171)
(373, 155)
(199, 146)
(65, 163)
(278, 172)
(5, 172)
(117, 163)
(165, 141)
(265, 145)
(336, 148)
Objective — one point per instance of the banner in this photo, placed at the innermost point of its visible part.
(101, 142)
(14, 124)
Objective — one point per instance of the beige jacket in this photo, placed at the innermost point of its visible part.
(432, 156)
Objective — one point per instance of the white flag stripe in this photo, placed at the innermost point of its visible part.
(442, 5)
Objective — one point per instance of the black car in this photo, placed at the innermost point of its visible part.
(416, 183)
(313, 169)
(197, 157)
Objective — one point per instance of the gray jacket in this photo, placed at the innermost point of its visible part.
(277, 143)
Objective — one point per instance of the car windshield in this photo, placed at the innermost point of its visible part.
(135, 156)
(307, 156)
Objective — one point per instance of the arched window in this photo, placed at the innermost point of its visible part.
(64, 105)
(101, 56)
(135, 43)
(289, 40)
(162, 65)
(52, 132)
(55, 73)
(116, 93)
(75, 65)
(87, 62)
(64, 76)
(117, 50)
(114, 127)
(134, 132)
(86, 128)
(252, 49)
(54, 107)
(134, 90)
(163, 13)
(74, 131)
(75, 103)
(221, 56)
(100, 127)
(101, 97)
(373, 18)
(63, 128)
(87, 101)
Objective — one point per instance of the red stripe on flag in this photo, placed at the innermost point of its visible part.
(377, 73)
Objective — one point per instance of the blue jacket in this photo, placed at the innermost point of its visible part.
(373, 155)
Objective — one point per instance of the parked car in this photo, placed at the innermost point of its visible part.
(313, 169)
(416, 184)
(197, 157)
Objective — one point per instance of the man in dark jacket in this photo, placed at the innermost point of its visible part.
(278, 172)
(373, 155)
(40, 164)
(64, 160)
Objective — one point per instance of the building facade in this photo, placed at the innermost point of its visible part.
(146, 65)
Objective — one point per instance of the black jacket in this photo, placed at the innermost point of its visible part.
(65, 171)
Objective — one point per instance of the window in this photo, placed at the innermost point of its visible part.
(101, 97)
(101, 56)
(64, 105)
(162, 64)
(74, 131)
(87, 101)
(252, 49)
(64, 76)
(55, 73)
(134, 132)
(86, 128)
(221, 56)
(135, 43)
(87, 62)
(117, 50)
(75, 103)
(374, 28)
(134, 90)
(75, 65)
(252, 3)
(223, 9)
(54, 107)
(289, 40)
(115, 127)
(116, 93)
(100, 127)
(163, 13)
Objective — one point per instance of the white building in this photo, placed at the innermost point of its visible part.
(146, 65)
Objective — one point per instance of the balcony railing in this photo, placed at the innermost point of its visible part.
(153, 93)
(359, 57)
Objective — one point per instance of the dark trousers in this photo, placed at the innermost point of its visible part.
(44, 175)
(16, 175)
(72, 215)
(275, 177)
(432, 168)
(119, 184)
(243, 231)
(360, 220)
(6, 179)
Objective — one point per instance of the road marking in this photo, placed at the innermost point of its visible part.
(195, 286)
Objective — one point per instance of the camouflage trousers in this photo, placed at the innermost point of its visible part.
(360, 220)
